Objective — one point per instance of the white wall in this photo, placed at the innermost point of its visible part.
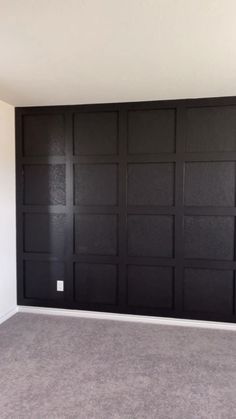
(7, 212)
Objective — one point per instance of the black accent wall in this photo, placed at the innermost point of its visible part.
(132, 205)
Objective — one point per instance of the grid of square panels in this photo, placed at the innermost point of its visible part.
(209, 222)
(44, 201)
(151, 145)
(95, 198)
(133, 207)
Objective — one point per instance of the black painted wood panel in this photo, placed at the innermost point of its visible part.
(209, 237)
(44, 135)
(150, 286)
(44, 233)
(44, 184)
(40, 279)
(210, 184)
(95, 283)
(211, 128)
(150, 235)
(209, 291)
(95, 234)
(151, 184)
(151, 131)
(132, 205)
(95, 133)
(96, 184)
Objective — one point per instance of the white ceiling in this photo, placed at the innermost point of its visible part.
(87, 51)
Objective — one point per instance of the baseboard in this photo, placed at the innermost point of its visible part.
(8, 314)
(167, 321)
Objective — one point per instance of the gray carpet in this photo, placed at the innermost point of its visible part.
(55, 367)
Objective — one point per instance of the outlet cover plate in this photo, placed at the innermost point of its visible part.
(60, 286)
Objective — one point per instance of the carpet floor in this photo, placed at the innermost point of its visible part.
(55, 367)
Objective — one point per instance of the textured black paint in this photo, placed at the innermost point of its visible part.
(95, 283)
(211, 129)
(96, 184)
(151, 184)
(132, 205)
(208, 290)
(150, 286)
(151, 131)
(96, 234)
(209, 237)
(95, 133)
(210, 184)
(41, 277)
(44, 184)
(44, 135)
(44, 233)
(150, 235)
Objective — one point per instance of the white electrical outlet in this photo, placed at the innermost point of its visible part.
(60, 286)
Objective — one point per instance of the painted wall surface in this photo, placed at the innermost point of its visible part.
(7, 211)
